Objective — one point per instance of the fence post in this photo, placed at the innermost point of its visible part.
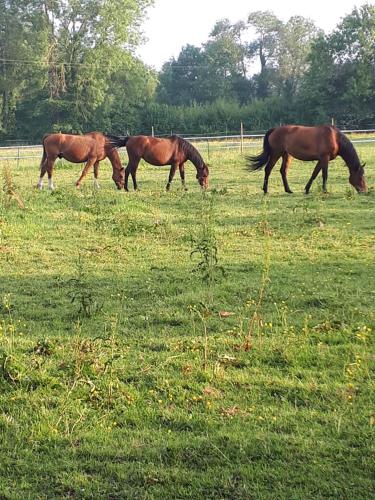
(18, 157)
(208, 149)
(241, 137)
(333, 121)
(152, 131)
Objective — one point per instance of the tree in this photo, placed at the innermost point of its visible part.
(217, 70)
(20, 47)
(265, 47)
(296, 38)
(340, 81)
(81, 44)
(181, 80)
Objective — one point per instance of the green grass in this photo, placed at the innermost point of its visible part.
(122, 375)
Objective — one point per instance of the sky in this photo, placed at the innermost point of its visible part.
(171, 24)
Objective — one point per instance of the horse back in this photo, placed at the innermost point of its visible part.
(74, 148)
(155, 150)
(305, 143)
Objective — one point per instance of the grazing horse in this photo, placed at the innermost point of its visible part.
(90, 148)
(322, 143)
(173, 151)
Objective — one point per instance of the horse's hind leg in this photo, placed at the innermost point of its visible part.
(267, 171)
(96, 174)
(171, 175)
(321, 163)
(287, 160)
(43, 170)
(48, 166)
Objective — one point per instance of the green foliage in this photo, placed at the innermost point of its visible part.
(81, 292)
(298, 65)
(9, 189)
(81, 73)
(343, 60)
(72, 50)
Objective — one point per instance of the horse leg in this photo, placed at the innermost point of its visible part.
(287, 160)
(127, 173)
(133, 173)
(131, 169)
(90, 162)
(96, 173)
(171, 175)
(325, 177)
(49, 167)
(267, 171)
(316, 171)
(182, 175)
(43, 170)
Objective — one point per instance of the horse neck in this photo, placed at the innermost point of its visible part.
(348, 153)
(198, 164)
(114, 158)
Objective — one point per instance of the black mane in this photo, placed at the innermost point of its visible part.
(192, 154)
(348, 152)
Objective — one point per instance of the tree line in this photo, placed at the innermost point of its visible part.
(71, 66)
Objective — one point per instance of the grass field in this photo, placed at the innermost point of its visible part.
(187, 345)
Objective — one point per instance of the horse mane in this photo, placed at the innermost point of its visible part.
(348, 152)
(191, 152)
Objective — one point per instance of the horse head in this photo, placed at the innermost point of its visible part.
(202, 176)
(118, 177)
(357, 179)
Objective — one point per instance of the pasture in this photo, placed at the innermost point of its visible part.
(187, 344)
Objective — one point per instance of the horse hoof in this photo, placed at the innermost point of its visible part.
(289, 191)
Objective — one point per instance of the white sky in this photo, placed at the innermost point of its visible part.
(171, 24)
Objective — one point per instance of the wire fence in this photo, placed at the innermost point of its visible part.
(206, 144)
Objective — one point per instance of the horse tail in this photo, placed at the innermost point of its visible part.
(44, 156)
(117, 141)
(258, 161)
(347, 150)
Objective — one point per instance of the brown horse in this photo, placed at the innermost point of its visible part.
(173, 151)
(322, 143)
(90, 148)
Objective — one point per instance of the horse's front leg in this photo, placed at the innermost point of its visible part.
(182, 175)
(316, 171)
(90, 162)
(325, 177)
(171, 175)
(126, 182)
